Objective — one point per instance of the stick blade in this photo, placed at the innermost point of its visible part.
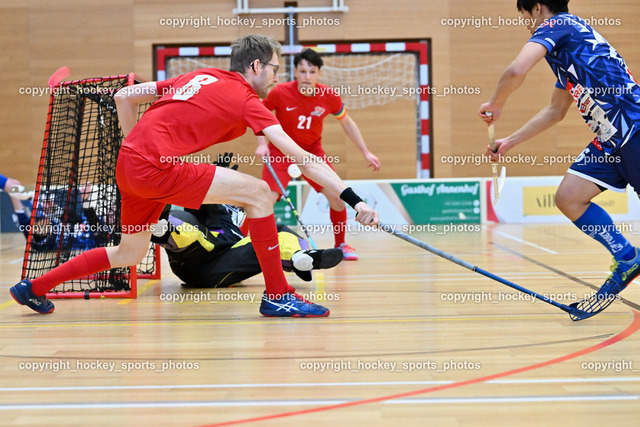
(22, 196)
(576, 314)
(60, 74)
(17, 192)
(502, 178)
(597, 302)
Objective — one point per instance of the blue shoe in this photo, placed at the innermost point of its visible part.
(623, 272)
(23, 295)
(291, 305)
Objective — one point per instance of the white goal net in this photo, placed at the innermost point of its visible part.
(363, 80)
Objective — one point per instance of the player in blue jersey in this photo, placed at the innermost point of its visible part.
(20, 216)
(591, 74)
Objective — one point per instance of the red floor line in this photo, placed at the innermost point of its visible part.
(631, 329)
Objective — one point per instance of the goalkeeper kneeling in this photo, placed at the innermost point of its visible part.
(206, 248)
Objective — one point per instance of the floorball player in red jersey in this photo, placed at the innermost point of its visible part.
(301, 107)
(192, 112)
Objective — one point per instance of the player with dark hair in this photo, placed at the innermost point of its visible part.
(195, 111)
(592, 74)
(554, 6)
(301, 107)
(206, 248)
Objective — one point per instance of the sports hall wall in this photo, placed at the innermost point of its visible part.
(99, 38)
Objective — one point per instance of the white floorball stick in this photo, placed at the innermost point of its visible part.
(498, 182)
(17, 191)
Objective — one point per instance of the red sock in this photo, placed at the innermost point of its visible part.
(86, 263)
(339, 221)
(264, 238)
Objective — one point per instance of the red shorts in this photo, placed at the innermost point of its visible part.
(147, 189)
(280, 164)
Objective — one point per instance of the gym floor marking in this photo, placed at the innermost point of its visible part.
(285, 402)
(275, 320)
(247, 401)
(305, 385)
(141, 290)
(7, 303)
(509, 236)
(339, 355)
(564, 274)
(630, 330)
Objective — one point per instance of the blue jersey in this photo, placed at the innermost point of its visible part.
(595, 74)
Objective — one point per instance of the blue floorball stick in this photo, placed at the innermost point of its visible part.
(286, 197)
(587, 308)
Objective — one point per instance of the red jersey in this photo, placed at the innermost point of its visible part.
(301, 116)
(197, 110)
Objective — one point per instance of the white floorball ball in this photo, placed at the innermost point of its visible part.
(294, 171)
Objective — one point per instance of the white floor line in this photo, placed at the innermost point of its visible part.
(302, 385)
(315, 402)
(517, 239)
(516, 399)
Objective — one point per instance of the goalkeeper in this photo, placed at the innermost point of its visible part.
(207, 250)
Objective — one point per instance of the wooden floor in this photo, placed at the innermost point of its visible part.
(412, 340)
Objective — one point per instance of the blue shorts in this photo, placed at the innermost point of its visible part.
(614, 171)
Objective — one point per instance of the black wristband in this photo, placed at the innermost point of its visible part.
(350, 197)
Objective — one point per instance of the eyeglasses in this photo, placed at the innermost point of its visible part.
(275, 67)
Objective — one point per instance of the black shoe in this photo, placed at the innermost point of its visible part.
(305, 261)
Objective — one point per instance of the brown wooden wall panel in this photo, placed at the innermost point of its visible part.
(389, 132)
(98, 38)
(15, 122)
(92, 38)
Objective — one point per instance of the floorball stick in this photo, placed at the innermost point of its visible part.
(286, 196)
(59, 75)
(576, 313)
(602, 299)
(17, 191)
(498, 182)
